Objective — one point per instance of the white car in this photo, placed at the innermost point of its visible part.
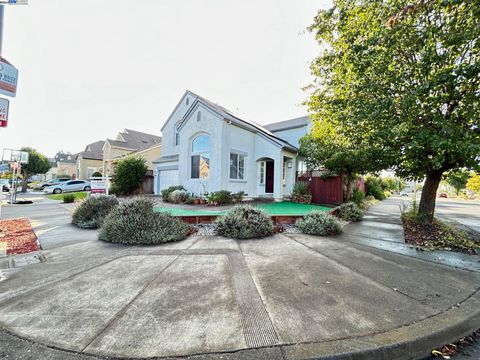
(68, 186)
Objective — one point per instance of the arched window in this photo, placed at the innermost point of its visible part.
(200, 159)
(176, 139)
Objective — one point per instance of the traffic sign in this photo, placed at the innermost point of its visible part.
(4, 103)
(8, 78)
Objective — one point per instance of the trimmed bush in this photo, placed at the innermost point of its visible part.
(166, 192)
(134, 222)
(238, 197)
(178, 196)
(350, 212)
(91, 212)
(245, 222)
(68, 198)
(319, 223)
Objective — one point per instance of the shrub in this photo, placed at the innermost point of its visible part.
(319, 223)
(387, 194)
(97, 174)
(68, 198)
(220, 197)
(238, 197)
(129, 174)
(374, 187)
(134, 222)
(245, 222)
(166, 192)
(301, 192)
(358, 197)
(178, 196)
(92, 211)
(350, 212)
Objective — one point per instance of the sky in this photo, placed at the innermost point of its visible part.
(89, 69)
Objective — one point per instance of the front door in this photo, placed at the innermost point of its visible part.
(269, 177)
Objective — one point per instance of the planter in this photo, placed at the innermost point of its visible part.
(196, 201)
(202, 201)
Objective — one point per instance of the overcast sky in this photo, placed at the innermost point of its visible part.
(88, 69)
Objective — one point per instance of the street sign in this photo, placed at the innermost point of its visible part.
(8, 78)
(4, 103)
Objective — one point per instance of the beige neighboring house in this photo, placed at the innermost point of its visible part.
(131, 142)
(90, 160)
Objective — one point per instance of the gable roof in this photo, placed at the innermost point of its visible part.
(135, 140)
(93, 151)
(288, 124)
(249, 125)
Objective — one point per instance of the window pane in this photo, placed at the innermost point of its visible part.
(262, 172)
(204, 165)
(233, 166)
(241, 166)
(195, 170)
(201, 144)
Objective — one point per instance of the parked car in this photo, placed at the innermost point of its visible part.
(42, 185)
(443, 195)
(68, 186)
(5, 185)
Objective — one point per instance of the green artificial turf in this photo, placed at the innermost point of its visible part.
(272, 209)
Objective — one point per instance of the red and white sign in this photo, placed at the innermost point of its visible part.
(98, 187)
(8, 78)
(4, 103)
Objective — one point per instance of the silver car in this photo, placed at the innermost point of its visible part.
(69, 186)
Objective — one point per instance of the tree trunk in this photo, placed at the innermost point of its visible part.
(348, 191)
(426, 207)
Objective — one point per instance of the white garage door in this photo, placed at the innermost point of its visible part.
(167, 178)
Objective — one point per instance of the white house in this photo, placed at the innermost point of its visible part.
(207, 148)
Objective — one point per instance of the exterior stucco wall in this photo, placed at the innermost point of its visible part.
(293, 135)
(83, 166)
(69, 169)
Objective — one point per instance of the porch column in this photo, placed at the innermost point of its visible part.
(278, 178)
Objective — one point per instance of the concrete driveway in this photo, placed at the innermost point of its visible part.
(283, 297)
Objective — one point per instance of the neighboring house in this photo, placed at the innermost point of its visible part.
(52, 173)
(90, 160)
(207, 148)
(66, 164)
(129, 142)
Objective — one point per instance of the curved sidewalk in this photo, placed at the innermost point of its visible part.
(290, 296)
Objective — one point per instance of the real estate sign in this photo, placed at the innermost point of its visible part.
(8, 78)
(98, 187)
(4, 103)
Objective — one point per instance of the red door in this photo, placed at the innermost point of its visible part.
(269, 177)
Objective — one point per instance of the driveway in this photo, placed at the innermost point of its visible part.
(282, 297)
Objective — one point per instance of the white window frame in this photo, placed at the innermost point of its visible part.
(239, 155)
(199, 154)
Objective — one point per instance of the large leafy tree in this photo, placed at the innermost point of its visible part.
(37, 164)
(403, 81)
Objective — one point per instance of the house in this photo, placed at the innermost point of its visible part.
(65, 164)
(90, 160)
(130, 142)
(208, 148)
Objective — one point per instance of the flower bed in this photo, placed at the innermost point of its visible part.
(18, 236)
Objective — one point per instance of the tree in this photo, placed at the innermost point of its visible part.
(457, 179)
(404, 81)
(473, 183)
(129, 174)
(37, 164)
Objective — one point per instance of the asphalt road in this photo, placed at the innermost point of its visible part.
(466, 212)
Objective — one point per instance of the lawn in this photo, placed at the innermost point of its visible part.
(78, 195)
(272, 209)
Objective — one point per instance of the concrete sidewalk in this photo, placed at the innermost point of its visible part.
(283, 297)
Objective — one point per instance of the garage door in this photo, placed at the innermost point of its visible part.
(167, 178)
